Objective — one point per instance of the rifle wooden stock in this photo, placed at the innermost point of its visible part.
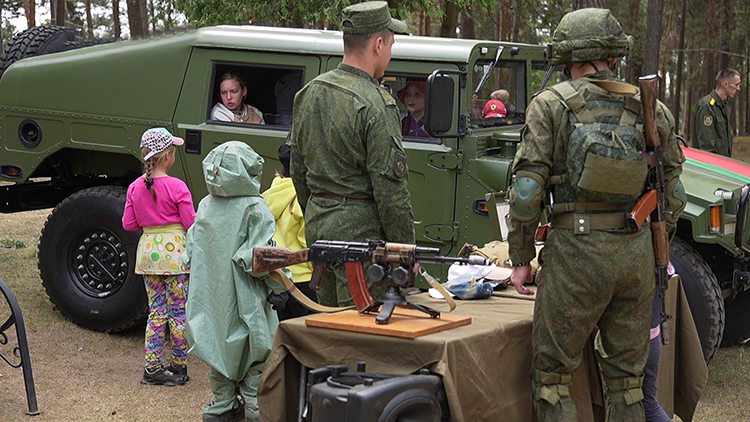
(661, 243)
(647, 85)
(267, 258)
(657, 183)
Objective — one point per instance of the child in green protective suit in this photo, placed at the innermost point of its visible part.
(230, 324)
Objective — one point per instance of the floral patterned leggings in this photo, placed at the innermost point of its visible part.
(167, 295)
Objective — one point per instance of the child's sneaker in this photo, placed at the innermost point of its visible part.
(162, 376)
(179, 370)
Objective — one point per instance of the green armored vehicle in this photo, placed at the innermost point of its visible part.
(71, 123)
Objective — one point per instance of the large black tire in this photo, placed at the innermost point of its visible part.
(36, 41)
(86, 260)
(703, 294)
(737, 327)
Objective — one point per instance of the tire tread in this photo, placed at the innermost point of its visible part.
(112, 193)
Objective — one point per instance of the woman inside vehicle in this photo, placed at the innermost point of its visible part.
(232, 108)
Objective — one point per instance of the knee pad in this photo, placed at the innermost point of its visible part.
(551, 386)
(629, 390)
(525, 196)
(676, 198)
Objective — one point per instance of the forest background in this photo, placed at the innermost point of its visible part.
(695, 38)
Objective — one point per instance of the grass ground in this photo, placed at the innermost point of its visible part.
(80, 375)
(741, 149)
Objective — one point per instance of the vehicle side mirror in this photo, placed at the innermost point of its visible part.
(439, 108)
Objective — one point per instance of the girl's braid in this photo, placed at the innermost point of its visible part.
(149, 182)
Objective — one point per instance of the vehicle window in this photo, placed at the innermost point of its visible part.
(502, 99)
(245, 94)
(409, 92)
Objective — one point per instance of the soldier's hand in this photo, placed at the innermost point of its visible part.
(519, 277)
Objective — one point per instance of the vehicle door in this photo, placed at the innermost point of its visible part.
(272, 79)
(433, 162)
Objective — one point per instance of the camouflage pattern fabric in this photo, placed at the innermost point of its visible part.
(346, 141)
(713, 130)
(589, 34)
(602, 279)
(608, 144)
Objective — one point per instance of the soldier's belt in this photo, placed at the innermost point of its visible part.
(343, 198)
(584, 223)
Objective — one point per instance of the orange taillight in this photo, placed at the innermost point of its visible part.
(715, 219)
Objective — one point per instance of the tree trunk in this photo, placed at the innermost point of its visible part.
(496, 23)
(89, 21)
(653, 36)
(466, 23)
(517, 20)
(151, 14)
(724, 35)
(680, 65)
(137, 18)
(710, 59)
(631, 70)
(29, 9)
(450, 20)
(116, 18)
(58, 12)
(1, 31)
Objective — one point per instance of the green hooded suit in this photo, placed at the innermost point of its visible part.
(230, 325)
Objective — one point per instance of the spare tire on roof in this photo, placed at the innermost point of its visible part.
(37, 41)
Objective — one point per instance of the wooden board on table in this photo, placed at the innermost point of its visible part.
(404, 323)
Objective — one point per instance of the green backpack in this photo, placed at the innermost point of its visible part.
(603, 161)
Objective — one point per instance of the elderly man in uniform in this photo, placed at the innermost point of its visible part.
(711, 126)
(596, 272)
(347, 161)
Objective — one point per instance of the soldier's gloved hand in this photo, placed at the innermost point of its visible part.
(278, 301)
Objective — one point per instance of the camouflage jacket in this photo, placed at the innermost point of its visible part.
(543, 148)
(711, 126)
(346, 140)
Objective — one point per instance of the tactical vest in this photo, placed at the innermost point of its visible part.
(602, 172)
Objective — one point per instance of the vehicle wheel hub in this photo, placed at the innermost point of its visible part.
(100, 263)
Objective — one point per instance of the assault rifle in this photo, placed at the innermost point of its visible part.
(656, 183)
(382, 255)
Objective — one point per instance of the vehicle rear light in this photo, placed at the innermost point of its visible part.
(480, 206)
(715, 219)
(11, 171)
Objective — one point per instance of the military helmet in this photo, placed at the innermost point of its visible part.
(588, 34)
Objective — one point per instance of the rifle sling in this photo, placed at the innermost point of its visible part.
(278, 276)
(439, 287)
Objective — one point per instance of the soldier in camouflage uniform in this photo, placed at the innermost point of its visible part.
(347, 161)
(597, 273)
(711, 125)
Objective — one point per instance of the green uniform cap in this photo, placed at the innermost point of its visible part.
(370, 17)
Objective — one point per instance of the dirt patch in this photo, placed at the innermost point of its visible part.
(80, 375)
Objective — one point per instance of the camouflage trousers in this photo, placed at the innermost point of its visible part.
(329, 219)
(600, 280)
